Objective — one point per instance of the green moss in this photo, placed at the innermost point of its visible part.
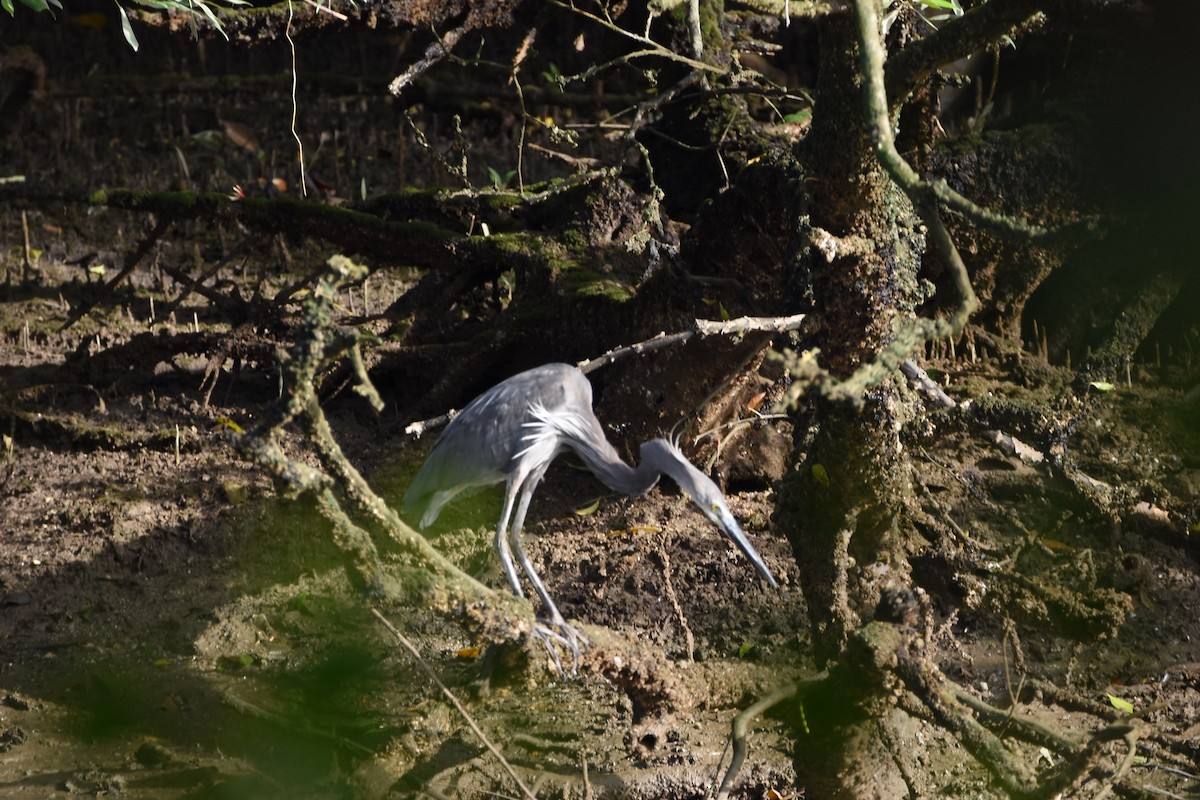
(711, 15)
(577, 270)
(574, 239)
(606, 288)
(582, 279)
(502, 202)
(514, 243)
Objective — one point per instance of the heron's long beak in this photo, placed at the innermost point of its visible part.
(728, 524)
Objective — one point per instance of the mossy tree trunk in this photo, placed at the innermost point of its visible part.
(840, 508)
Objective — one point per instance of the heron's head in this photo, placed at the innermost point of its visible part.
(667, 458)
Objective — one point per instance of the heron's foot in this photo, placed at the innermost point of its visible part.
(557, 635)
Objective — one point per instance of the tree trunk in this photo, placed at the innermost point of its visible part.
(839, 508)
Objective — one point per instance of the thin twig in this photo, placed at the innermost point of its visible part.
(411, 648)
(26, 263)
(700, 327)
(927, 385)
(322, 8)
(689, 639)
(438, 50)
(741, 723)
(287, 33)
(417, 429)
(654, 48)
(522, 51)
(192, 284)
(131, 261)
(1130, 737)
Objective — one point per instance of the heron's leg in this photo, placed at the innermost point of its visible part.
(518, 546)
(501, 542)
(536, 580)
(558, 631)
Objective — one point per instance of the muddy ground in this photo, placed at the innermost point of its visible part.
(170, 627)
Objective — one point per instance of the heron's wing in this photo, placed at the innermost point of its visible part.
(479, 446)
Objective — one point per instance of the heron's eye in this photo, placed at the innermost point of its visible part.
(716, 507)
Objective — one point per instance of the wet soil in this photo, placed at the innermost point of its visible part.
(172, 628)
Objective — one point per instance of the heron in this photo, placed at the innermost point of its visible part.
(512, 432)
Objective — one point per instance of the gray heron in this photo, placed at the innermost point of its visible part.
(512, 432)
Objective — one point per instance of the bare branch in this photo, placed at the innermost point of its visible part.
(440, 585)
(433, 54)
(981, 27)
(653, 47)
(927, 385)
(131, 261)
(701, 327)
(462, 710)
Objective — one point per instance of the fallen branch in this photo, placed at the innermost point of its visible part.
(433, 579)
(131, 261)
(436, 52)
(700, 327)
(422, 243)
(920, 378)
(741, 724)
(1104, 494)
(416, 654)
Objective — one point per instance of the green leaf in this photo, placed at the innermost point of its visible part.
(803, 719)
(500, 181)
(127, 29)
(300, 603)
(208, 12)
(36, 5)
(209, 139)
(234, 663)
(8, 6)
(1102, 386)
(820, 474)
(1120, 704)
(589, 509)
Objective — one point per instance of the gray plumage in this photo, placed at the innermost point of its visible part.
(512, 432)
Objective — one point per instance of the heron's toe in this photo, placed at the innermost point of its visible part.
(558, 635)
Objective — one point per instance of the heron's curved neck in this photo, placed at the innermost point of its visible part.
(614, 473)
